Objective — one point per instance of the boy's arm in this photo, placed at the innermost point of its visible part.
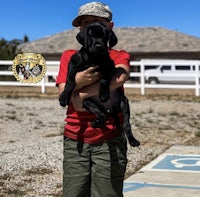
(83, 78)
(119, 78)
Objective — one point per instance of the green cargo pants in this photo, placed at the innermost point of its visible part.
(95, 170)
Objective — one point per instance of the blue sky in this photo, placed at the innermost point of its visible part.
(41, 18)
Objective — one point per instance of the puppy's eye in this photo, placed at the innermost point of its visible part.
(90, 33)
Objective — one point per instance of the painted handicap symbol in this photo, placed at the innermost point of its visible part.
(186, 162)
(176, 162)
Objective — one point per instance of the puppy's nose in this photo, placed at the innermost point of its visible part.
(99, 47)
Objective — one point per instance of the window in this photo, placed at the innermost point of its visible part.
(182, 67)
(166, 68)
(193, 67)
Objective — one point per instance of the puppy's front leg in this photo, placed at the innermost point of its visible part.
(65, 97)
(104, 92)
(108, 69)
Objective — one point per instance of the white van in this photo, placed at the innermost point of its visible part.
(171, 73)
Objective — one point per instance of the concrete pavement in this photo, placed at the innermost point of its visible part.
(172, 174)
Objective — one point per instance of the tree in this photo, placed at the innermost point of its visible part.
(8, 49)
(26, 39)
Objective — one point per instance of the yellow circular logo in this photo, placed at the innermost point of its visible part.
(29, 67)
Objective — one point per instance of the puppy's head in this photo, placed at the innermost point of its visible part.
(97, 38)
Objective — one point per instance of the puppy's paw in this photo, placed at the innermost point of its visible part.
(62, 103)
(100, 122)
(95, 124)
(133, 142)
(63, 100)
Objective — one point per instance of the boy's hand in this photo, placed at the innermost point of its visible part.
(87, 77)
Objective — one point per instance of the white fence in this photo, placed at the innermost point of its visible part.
(53, 66)
(156, 62)
(52, 70)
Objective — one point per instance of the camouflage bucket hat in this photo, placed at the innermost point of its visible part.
(93, 9)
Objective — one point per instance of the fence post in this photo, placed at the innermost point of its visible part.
(197, 79)
(43, 85)
(142, 78)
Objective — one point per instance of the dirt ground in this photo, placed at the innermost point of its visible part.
(153, 95)
(159, 120)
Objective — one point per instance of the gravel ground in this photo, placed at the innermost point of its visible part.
(31, 139)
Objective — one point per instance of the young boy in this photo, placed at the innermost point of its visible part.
(98, 170)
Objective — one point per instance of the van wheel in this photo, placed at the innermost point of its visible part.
(153, 80)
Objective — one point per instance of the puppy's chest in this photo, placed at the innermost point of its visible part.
(102, 64)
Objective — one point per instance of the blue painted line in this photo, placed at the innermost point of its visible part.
(131, 186)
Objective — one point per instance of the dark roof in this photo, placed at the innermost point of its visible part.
(132, 39)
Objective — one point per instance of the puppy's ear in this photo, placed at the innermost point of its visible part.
(112, 39)
(80, 37)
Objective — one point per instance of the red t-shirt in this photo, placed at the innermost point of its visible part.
(77, 125)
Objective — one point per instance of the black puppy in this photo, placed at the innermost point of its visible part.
(94, 39)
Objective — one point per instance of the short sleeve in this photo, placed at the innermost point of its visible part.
(64, 61)
(120, 57)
